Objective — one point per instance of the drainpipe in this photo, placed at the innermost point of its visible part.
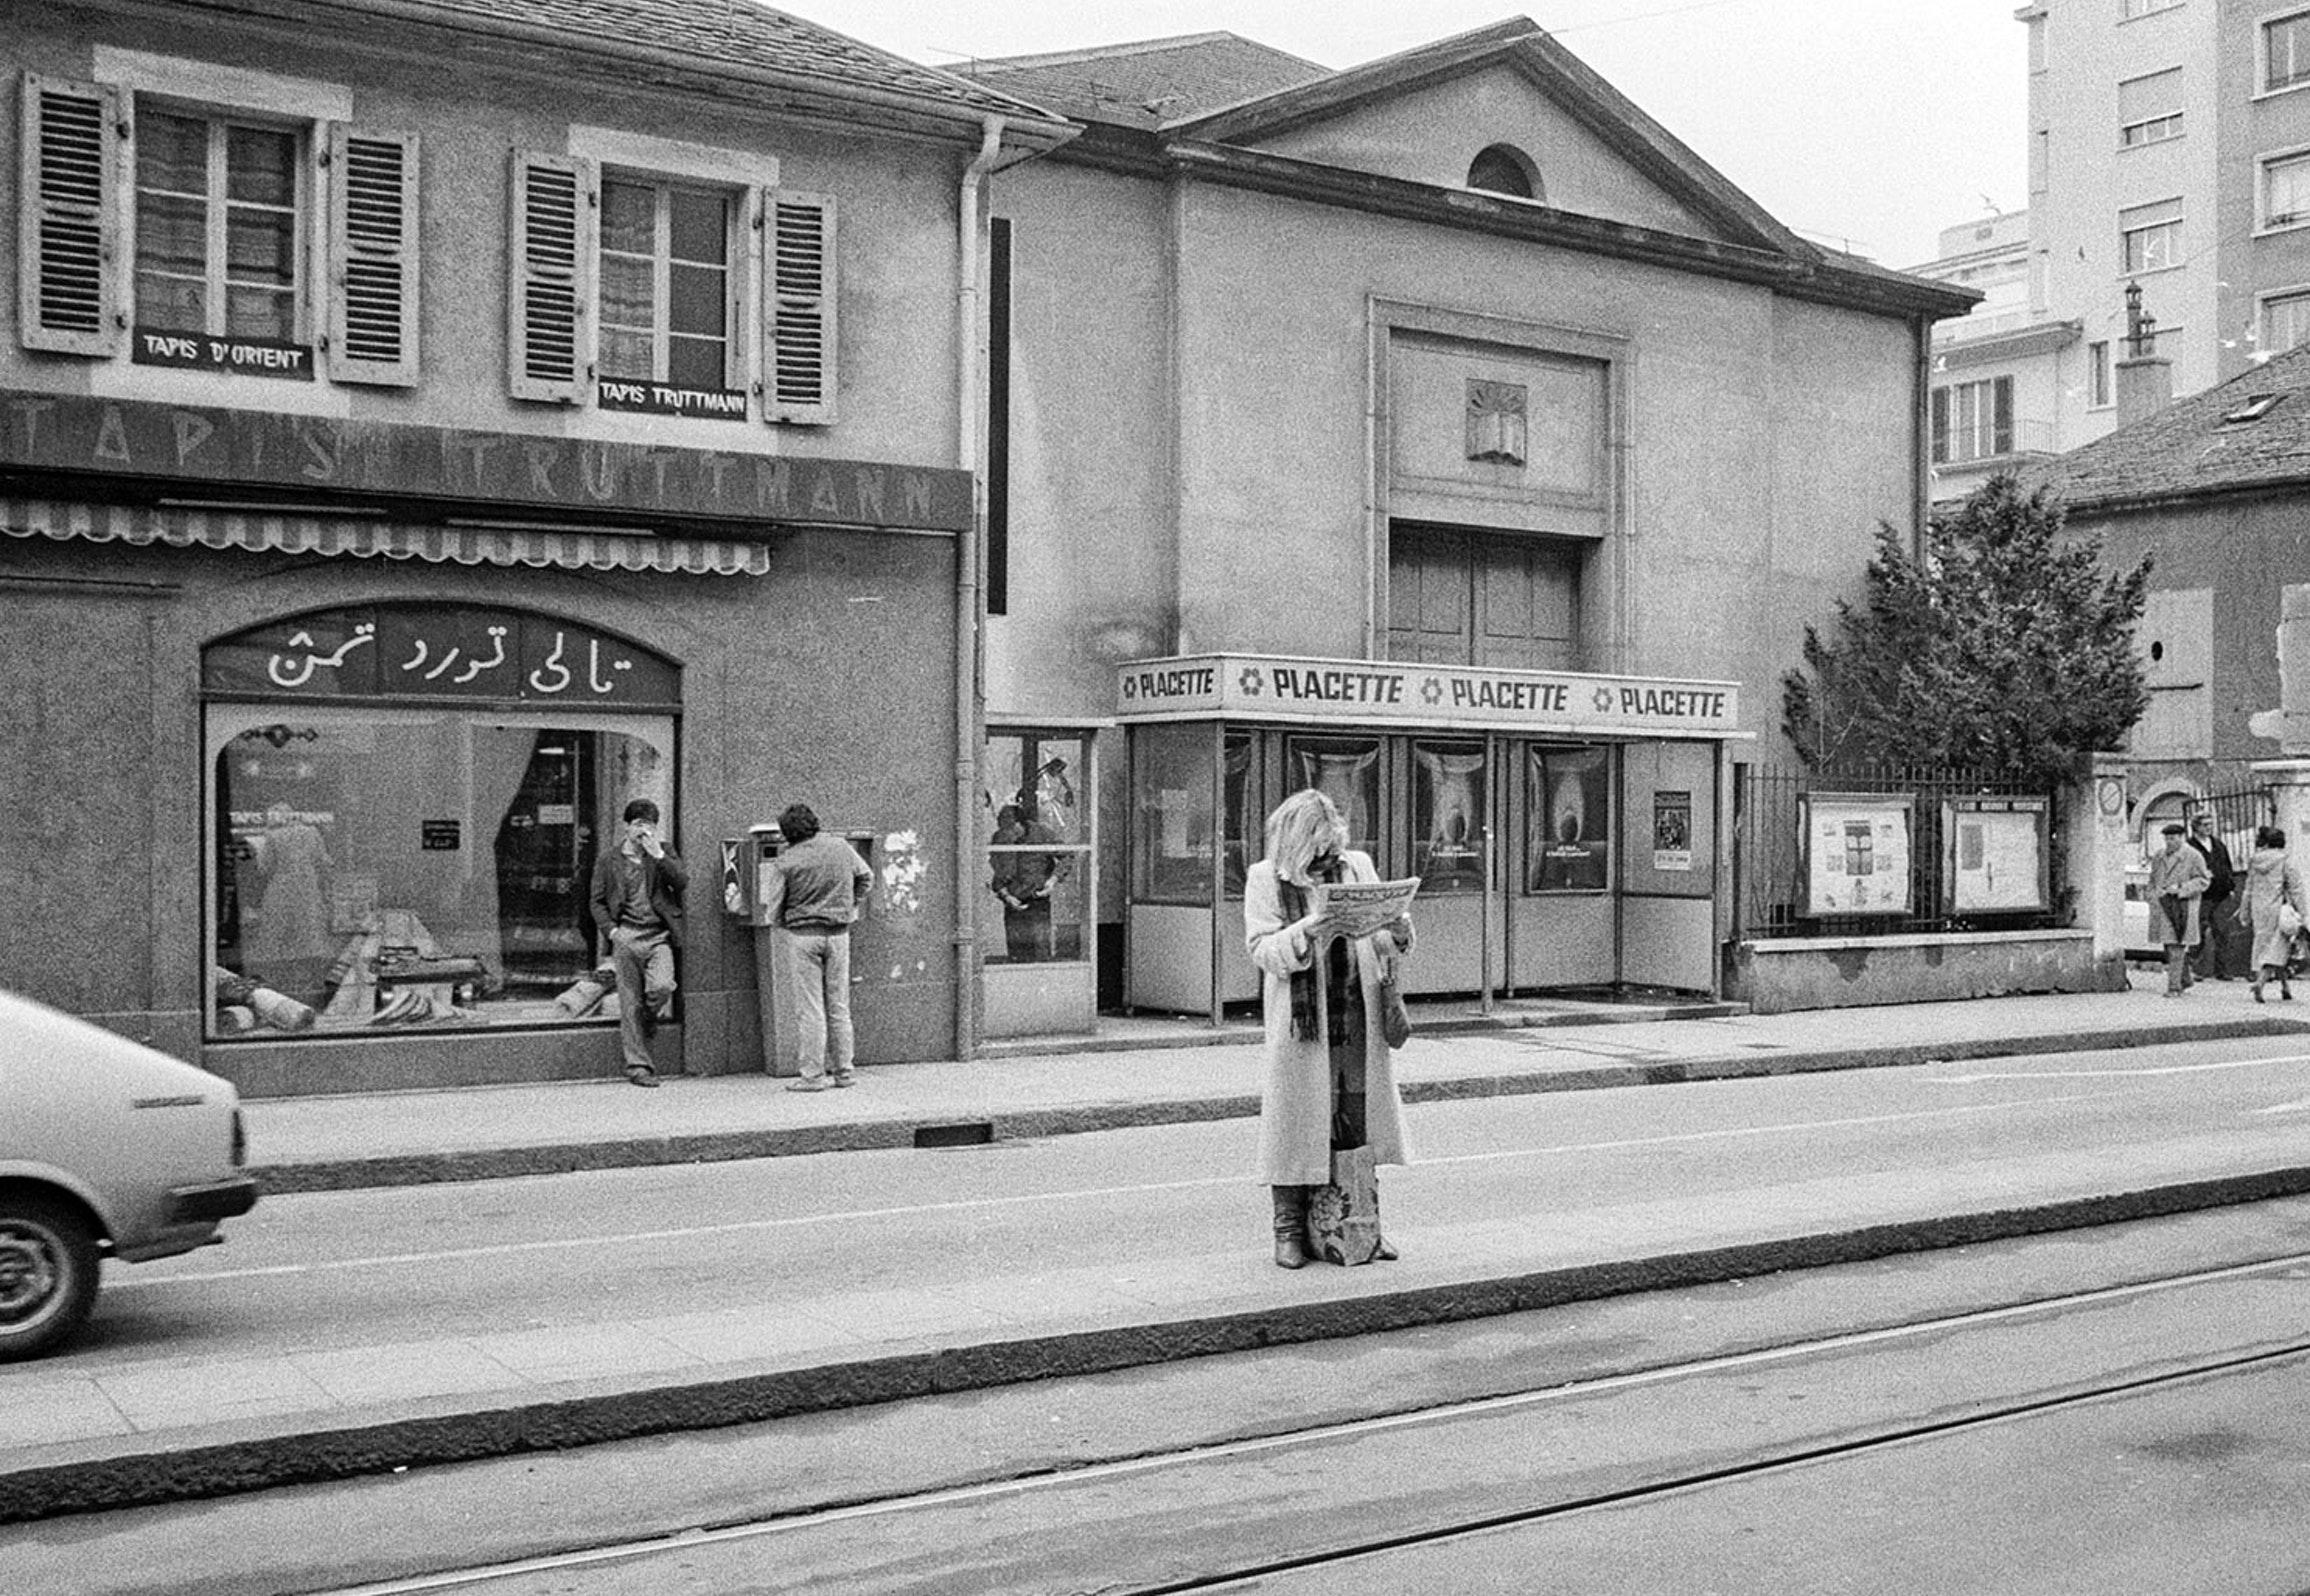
(970, 552)
(1921, 454)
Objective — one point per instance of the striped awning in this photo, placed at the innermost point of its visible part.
(189, 527)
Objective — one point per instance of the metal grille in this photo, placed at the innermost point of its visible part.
(1769, 896)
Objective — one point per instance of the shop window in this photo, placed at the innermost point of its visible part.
(1568, 820)
(1172, 823)
(1345, 769)
(1448, 786)
(390, 859)
(623, 293)
(1038, 854)
(221, 212)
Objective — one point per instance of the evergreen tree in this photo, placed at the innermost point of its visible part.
(2006, 648)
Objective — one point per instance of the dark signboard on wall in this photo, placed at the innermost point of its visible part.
(440, 651)
(372, 460)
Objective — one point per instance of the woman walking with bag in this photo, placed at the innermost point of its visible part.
(1330, 1084)
(2274, 905)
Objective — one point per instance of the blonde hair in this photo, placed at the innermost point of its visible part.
(1303, 825)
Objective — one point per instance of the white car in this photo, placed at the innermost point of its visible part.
(107, 1148)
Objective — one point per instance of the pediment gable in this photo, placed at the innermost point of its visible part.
(1424, 116)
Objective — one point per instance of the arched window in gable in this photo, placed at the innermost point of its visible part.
(1505, 169)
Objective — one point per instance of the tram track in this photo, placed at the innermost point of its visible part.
(890, 1512)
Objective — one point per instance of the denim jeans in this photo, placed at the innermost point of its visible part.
(818, 965)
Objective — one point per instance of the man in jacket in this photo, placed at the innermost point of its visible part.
(2178, 878)
(816, 890)
(637, 907)
(2217, 956)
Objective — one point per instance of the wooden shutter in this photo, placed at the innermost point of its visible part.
(68, 276)
(798, 375)
(373, 256)
(556, 203)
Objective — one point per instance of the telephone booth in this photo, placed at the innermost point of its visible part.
(1566, 829)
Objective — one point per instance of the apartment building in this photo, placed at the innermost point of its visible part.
(2169, 148)
(1998, 371)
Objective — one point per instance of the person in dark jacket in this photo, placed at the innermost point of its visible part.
(637, 907)
(2219, 955)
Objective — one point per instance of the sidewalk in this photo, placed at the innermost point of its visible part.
(1186, 1073)
(92, 1436)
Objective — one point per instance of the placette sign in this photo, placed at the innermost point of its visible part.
(1282, 688)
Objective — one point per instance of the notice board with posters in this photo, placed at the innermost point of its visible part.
(1855, 851)
(1995, 854)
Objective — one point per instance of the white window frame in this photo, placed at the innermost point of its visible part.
(2264, 165)
(217, 207)
(2133, 10)
(2296, 294)
(2263, 88)
(736, 233)
(2170, 226)
(2158, 128)
(2100, 386)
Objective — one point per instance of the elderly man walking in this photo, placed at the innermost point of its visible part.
(2178, 879)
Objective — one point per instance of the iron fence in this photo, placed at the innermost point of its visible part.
(1773, 895)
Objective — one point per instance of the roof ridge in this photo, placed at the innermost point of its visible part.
(1106, 52)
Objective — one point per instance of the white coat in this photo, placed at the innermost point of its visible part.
(1295, 1107)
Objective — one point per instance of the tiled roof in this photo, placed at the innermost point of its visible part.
(2191, 448)
(1146, 84)
(738, 33)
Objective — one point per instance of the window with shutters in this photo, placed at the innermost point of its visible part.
(2150, 108)
(669, 293)
(2285, 183)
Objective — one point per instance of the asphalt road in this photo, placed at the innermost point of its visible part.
(1189, 1471)
(982, 1225)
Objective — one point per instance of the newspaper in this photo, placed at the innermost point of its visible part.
(1362, 907)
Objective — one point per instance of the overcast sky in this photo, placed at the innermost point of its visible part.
(1868, 123)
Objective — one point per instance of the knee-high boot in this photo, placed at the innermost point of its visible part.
(1290, 1226)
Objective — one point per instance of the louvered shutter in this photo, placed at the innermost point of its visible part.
(68, 274)
(373, 256)
(550, 339)
(798, 375)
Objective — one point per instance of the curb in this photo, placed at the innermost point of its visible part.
(139, 1479)
(878, 1135)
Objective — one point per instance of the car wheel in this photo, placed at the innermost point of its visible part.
(47, 1274)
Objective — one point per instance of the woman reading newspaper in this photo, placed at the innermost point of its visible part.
(1330, 1108)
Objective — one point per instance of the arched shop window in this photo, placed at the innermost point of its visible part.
(404, 803)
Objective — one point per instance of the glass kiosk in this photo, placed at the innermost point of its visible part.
(1566, 828)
